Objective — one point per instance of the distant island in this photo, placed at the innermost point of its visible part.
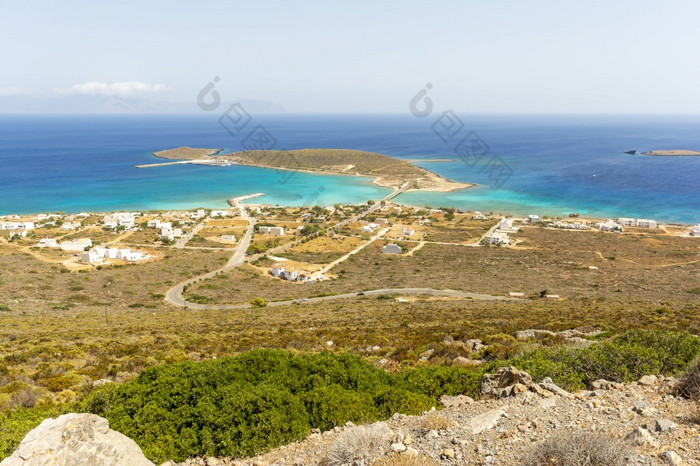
(386, 171)
(186, 153)
(672, 153)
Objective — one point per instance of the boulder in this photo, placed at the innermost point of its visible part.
(485, 421)
(502, 382)
(641, 438)
(548, 384)
(76, 439)
(453, 401)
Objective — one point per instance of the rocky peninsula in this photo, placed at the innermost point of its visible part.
(673, 153)
(386, 171)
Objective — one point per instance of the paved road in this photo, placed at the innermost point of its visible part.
(174, 295)
(393, 291)
(183, 241)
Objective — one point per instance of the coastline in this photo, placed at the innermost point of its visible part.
(672, 153)
(430, 182)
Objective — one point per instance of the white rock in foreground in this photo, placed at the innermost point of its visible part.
(76, 439)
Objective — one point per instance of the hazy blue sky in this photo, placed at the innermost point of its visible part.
(363, 56)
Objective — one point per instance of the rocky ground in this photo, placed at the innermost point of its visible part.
(644, 417)
(641, 423)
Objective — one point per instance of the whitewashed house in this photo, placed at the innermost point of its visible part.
(230, 238)
(274, 231)
(67, 226)
(77, 245)
(111, 253)
(608, 226)
(134, 256)
(627, 222)
(290, 274)
(154, 223)
(16, 225)
(392, 249)
(407, 231)
(479, 216)
(533, 219)
(497, 238)
(90, 257)
(47, 243)
(695, 230)
(646, 223)
(366, 229)
(277, 269)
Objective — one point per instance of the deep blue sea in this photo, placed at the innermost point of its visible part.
(549, 165)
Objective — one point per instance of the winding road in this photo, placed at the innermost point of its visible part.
(174, 295)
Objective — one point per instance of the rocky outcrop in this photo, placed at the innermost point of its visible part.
(76, 440)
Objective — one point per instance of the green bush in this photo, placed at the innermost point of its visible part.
(624, 358)
(239, 406)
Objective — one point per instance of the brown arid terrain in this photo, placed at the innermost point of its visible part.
(640, 423)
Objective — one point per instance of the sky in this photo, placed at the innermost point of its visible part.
(497, 56)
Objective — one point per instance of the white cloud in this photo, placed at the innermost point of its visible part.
(118, 89)
(8, 91)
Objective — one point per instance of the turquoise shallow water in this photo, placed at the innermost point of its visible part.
(555, 164)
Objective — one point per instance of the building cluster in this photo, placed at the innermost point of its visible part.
(499, 235)
(96, 255)
(479, 216)
(126, 220)
(695, 230)
(637, 222)
(166, 229)
(569, 226)
(609, 226)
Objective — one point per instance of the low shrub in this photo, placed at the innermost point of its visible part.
(356, 445)
(578, 448)
(689, 383)
(435, 421)
(405, 459)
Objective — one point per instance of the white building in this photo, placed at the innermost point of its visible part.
(154, 223)
(534, 218)
(77, 245)
(119, 219)
(506, 225)
(392, 249)
(16, 225)
(695, 230)
(627, 222)
(479, 216)
(122, 253)
(608, 226)
(646, 223)
(366, 229)
(274, 231)
(67, 226)
(230, 238)
(221, 213)
(290, 274)
(277, 269)
(47, 243)
(90, 257)
(407, 231)
(498, 237)
(111, 253)
(134, 256)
